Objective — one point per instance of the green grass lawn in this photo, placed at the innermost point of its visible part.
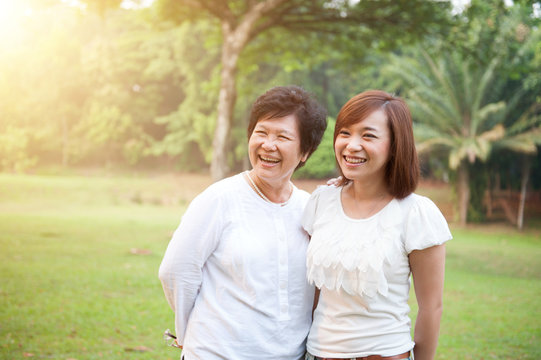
(79, 259)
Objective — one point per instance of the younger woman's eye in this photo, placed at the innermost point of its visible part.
(344, 132)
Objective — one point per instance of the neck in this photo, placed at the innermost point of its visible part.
(367, 190)
(278, 191)
(361, 201)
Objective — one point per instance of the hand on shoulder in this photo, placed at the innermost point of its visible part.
(334, 181)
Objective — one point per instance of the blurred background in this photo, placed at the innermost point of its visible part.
(114, 114)
(135, 84)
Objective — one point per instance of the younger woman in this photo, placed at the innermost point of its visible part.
(368, 235)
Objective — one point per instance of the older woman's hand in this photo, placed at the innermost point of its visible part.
(334, 181)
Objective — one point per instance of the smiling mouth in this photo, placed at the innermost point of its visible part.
(268, 159)
(354, 160)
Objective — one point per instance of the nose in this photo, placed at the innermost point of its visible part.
(269, 144)
(355, 144)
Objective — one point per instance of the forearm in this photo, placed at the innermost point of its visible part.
(193, 242)
(316, 300)
(428, 269)
(427, 328)
(180, 289)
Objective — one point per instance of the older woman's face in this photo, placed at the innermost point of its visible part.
(275, 148)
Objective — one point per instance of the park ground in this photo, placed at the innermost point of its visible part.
(79, 257)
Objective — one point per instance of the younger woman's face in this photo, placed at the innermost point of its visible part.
(362, 149)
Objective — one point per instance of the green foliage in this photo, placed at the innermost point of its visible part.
(132, 67)
(468, 106)
(14, 153)
(362, 21)
(447, 98)
(191, 124)
(102, 6)
(110, 85)
(90, 86)
(322, 163)
(478, 187)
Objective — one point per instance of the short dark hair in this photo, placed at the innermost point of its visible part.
(402, 169)
(282, 101)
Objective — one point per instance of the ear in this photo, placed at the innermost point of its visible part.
(304, 158)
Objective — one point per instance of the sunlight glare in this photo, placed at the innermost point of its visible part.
(136, 4)
(11, 14)
(10, 9)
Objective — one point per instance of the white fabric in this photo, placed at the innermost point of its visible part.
(235, 275)
(362, 268)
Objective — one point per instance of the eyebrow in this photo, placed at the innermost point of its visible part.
(281, 132)
(364, 128)
(369, 128)
(285, 132)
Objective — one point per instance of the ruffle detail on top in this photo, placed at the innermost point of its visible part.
(350, 254)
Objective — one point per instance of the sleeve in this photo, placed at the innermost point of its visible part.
(193, 242)
(310, 210)
(425, 226)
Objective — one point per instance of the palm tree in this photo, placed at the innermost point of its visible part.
(450, 100)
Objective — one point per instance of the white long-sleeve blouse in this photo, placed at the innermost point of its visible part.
(234, 273)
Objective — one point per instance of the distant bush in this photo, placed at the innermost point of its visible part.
(322, 163)
(14, 150)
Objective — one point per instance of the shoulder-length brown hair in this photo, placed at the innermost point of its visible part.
(402, 169)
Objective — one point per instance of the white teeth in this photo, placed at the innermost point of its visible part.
(269, 159)
(355, 160)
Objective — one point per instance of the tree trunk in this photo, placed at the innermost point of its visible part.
(235, 37)
(226, 104)
(463, 191)
(489, 198)
(325, 86)
(523, 188)
(65, 142)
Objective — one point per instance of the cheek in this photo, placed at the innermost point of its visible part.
(253, 141)
(337, 152)
(338, 146)
(387, 151)
(252, 147)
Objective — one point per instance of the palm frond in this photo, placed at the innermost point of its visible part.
(529, 119)
(494, 134)
(525, 142)
(443, 80)
(430, 144)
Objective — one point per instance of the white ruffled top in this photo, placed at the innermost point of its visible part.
(350, 253)
(362, 269)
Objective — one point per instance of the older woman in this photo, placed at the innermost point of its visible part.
(234, 272)
(369, 234)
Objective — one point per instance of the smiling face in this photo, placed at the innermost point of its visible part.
(362, 148)
(274, 149)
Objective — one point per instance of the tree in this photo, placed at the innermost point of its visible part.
(448, 96)
(41, 89)
(241, 21)
(476, 93)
